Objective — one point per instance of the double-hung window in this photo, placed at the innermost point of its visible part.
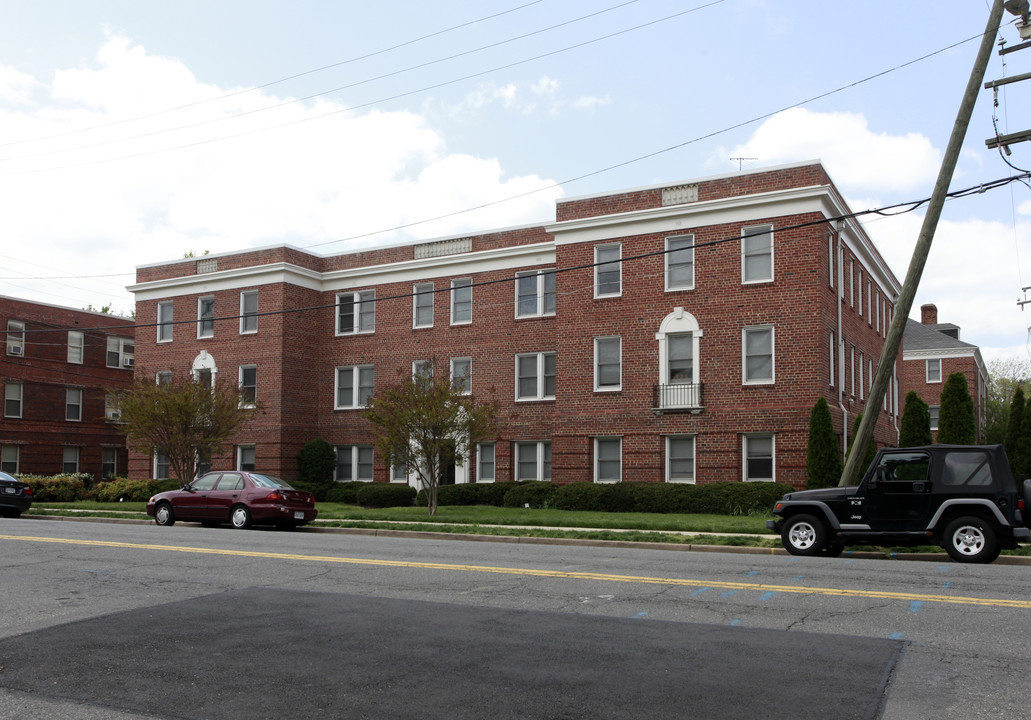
(16, 338)
(680, 458)
(535, 293)
(354, 385)
(76, 347)
(535, 376)
(165, 321)
(461, 301)
(10, 455)
(757, 355)
(70, 460)
(608, 362)
(73, 404)
(462, 374)
(533, 461)
(680, 262)
(422, 305)
(109, 463)
(485, 462)
(120, 352)
(608, 461)
(206, 317)
(608, 270)
(758, 458)
(934, 370)
(356, 312)
(248, 312)
(248, 385)
(757, 254)
(354, 462)
(245, 459)
(13, 399)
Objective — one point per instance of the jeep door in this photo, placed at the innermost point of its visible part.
(898, 493)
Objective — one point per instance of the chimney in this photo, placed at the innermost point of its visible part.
(928, 314)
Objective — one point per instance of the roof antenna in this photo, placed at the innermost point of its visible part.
(740, 161)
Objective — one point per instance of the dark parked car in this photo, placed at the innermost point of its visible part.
(15, 496)
(239, 498)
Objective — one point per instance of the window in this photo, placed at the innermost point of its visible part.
(859, 290)
(680, 262)
(462, 374)
(607, 363)
(678, 337)
(535, 376)
(608, 271)
(422, 368)
(112, 411)
(164, 377)
(485, 462)
(862, 391)
(76, 347)
(757, 254)
(248, 312)
(245, 458)
(15, 337)
(533, 461)
(70, 460)
(161, 466)
(535, 293)
(832, 360)
(206, 317)
(758, 455)
(13, 399)
(422, 305)
(851, 282)
(399, 471)
(73, 404)
(608, 459)
(830, 261)
(354, 462)
(757, 348)
(165, 325)
(354, 385)
(680, 458)
(356, 312)
(9, 458)
(852, 370)
(109, 463)
(248, 385)
(120, 352)
(934, 370)
(934, 410)
(461, 301)
(869, 302)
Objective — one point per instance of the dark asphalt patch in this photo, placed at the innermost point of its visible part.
(267, 653)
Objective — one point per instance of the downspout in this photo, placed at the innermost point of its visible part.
(839, 291)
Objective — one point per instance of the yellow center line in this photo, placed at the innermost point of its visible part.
(606, 577)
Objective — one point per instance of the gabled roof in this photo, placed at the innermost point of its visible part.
(919, 337)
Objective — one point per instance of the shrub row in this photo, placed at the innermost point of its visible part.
(80, 486)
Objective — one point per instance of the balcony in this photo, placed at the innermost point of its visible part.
(677, 397)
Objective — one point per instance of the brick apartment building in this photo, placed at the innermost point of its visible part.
(932, 352)
(675, 333)
(57, 367)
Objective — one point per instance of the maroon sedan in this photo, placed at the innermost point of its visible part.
(239, 498)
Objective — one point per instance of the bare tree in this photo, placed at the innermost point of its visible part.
(428, 423)
(184, 419)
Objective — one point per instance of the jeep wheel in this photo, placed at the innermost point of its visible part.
(971, 540)
(803, 535)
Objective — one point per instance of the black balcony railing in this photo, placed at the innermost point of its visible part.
(682, 397)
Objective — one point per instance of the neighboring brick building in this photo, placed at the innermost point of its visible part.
(673, 333)
(57, 366)
(932, 352)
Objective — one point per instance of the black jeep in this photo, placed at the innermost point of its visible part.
(962, 497)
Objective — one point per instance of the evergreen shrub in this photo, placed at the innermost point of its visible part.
(384, 495)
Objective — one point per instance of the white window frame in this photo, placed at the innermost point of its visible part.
(869, 303)
(745, 332)
(541, 451)
(458, 377)
(422, 367)
(355, 372)
(254, 400)
(399, 472)
(862, 387)
(678, 322)
(852, 371)
(830, 261)
(598, 341)
(540, 376)
(747, 440)
(165, 329)
(851, 282)
(929, 376)
(482, 475)
(422, 300)
(10, 459)
(162, 466)
(109, 459)
(688, 247)
(248, 317)
(669, 440)
(241, 452)
(832, 367)
(859, 290)
(602, 266)
(544, 287)
(120, 346)
(112, 411)
(16, 338)
(206, 317)
(746, 253)
(355, 462)
(461, 297)
(598, 461)
(76, 459)
(360, 302)
(934, 411)
(76, 347)
(73, 400)
(14, 392)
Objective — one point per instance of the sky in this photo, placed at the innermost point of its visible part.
(136, 132)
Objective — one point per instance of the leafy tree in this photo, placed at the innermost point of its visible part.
(823, 463)
(427, 423)
(956, 422)
(1005, 377)
(1015, 419)
(183, 419)
(318, 461)
(1022, 466)
(915, 427)
(871, 447)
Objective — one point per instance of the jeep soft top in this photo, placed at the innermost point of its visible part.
(962, 497)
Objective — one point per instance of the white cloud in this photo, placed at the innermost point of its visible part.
(524, 98)
(16, 87)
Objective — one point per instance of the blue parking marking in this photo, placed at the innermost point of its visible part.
(897, 636)
(729, 593)
(752, 572)
(735, 622)
(699, 591)
(915, 606)
(766, 595)
(641, 615)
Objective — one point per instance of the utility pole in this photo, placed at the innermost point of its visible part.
(893, 341)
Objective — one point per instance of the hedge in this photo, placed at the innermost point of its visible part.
(57, 488)
(383, 495)
(470, 494)
(125, 489)
(534, 495)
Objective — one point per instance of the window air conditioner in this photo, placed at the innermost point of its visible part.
(114, 416)
(128, 362)
(14, 350)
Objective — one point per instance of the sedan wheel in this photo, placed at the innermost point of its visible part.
(240, 517)
(163, 515)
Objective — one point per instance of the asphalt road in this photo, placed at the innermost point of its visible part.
(116, 621)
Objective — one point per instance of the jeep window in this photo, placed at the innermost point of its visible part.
(966, 470)
(903, 468)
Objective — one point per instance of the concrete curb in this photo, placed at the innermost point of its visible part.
(583, 542)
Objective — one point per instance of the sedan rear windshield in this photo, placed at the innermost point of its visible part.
(268, 481)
